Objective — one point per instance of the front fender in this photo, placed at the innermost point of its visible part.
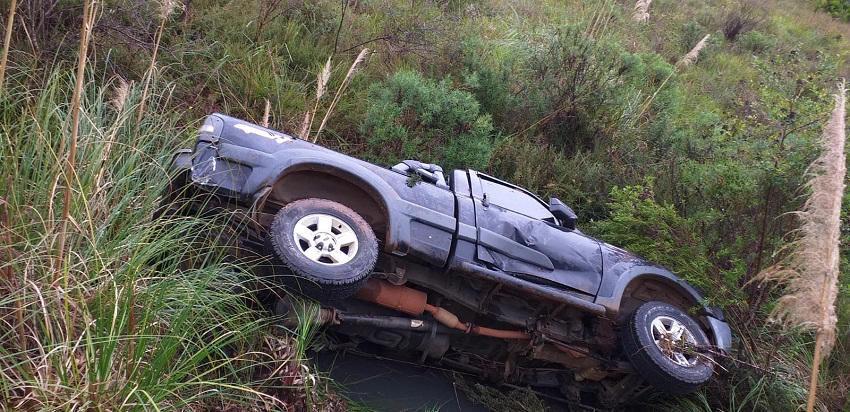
(624, 273)
(298, 160)
(618, 278)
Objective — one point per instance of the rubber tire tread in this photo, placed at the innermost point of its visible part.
(651, 363)
(313, 279)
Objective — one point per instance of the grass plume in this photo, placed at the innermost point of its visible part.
(341, 89)
(321, 84)
(641, 12)
(692, 55)
(810, 271)
(686, 61)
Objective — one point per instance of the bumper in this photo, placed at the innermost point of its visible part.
(722, 334)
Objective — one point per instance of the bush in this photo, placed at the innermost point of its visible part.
(413, 117)
(487, 73)
(571, 89)
(756, 41)
(656, 231)
(837, 8)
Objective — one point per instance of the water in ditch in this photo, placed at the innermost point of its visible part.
(391, 386)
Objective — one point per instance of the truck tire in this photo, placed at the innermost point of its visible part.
(663, 344)
(329, 248)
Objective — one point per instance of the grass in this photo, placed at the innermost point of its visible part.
(126, 325)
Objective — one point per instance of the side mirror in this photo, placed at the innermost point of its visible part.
(563, 213)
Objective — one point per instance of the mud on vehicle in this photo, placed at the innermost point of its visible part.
(460, 270)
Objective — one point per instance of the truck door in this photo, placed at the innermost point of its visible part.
(518, 234)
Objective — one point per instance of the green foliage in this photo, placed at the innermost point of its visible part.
(748, 390)
(756, 42)
(487, 74)
(639, 223)
(413, 117)
(570, 89)
(837, 8)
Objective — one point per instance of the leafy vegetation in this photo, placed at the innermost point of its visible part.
(409, 116)
(694, 165)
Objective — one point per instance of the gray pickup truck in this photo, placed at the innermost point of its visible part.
(462, 270)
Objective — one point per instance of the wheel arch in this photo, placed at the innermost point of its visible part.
(347, 183)
(641, 284)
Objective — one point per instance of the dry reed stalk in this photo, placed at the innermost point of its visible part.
(321, 84)
(266, 111)
(9, 22)
(360, 57)
(811, 269)
(641, 13)
(599, 20)
(9, 255)
(166, 7)
(85, 34)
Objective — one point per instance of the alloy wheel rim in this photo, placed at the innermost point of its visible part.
(674, 340)
(325, 239)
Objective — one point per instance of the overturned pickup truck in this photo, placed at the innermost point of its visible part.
(463, 271)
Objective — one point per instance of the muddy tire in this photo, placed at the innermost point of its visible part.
(664, 345)
(329, 249)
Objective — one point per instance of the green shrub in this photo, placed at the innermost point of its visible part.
(656, 231)
(837, 8)
(413, 117)
(570, 88)
(756, 41)
(487, 74)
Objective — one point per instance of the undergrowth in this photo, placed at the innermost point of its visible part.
(127, 324)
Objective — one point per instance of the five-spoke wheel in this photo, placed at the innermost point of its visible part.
(325, 239)
(667, 347)
(328, 247)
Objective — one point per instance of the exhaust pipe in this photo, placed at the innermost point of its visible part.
(414, 302)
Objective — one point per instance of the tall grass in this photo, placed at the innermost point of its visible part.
(71, 345)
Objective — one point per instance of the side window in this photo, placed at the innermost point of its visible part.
(514, 199)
